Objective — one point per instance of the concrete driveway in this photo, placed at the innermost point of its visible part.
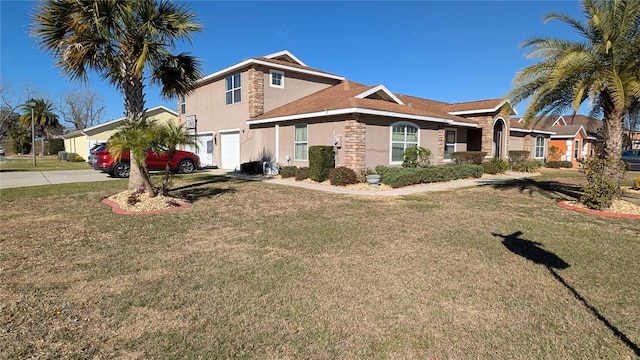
(10, 179)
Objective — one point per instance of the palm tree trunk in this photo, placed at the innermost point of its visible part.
(167, 172)
(613, 130)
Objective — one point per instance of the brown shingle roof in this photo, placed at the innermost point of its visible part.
(343, 96)
(474, 105)
(293, 64)
(569, 130)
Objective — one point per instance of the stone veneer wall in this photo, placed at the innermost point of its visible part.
(440, 154)
(256, 92)
(355, 143)
(528, 144)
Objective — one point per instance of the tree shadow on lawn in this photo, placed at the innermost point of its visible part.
(203, 189)
(533, 251)
(551, 189)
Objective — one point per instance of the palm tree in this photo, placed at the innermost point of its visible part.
(137, 138)
(170, 137)
(44, 118)
(126, 43)
(604, 67)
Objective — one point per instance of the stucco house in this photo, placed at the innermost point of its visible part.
(575, 136)
(274, 107)
(80, 141)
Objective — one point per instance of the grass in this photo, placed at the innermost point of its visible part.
(256, 270)
(47, 163)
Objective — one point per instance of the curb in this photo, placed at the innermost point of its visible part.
(564, 205)
(118, 210)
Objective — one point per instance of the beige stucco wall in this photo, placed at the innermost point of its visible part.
(296, 86)
(516, 141)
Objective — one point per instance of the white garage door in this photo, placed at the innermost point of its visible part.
(230, 150)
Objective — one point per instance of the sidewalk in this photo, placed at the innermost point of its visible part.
(443, 186)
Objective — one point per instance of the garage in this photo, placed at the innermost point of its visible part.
(230, 150)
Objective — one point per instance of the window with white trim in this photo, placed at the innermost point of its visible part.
(403, 136)
(539, 148)
(450, 136)
(276, 79)
(233, 89)
(576, 150)
(300, 142)
(183, 104)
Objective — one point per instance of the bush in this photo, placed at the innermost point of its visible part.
(321, 161)
(362, 174)
(604, 177)
(302, 173)
(251, 168)
(554, 153)
(416, 157)
(519, 155)
(342, 176)
(527, 166)
(288, 171)
(71, 157)
(491, 168)
(468, 157)
(399, 177)
(636, 183)
(559, 164)
(54, 146)
(78, 158)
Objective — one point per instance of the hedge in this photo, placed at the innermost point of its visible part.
(519, 155)
(468, 157)
(342, 176)
(399, 177)
(288, 171)
(559, 164)
(251, 168)
(321, 161)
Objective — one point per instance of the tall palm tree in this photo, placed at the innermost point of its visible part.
(127, 43)
(44, 118)
(603, 67)
(170, 137)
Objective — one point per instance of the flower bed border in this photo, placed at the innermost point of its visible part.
(118, 210)
(565, 205)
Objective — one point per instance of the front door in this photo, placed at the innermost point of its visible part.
(498, 130)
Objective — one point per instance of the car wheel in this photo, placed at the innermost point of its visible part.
(121, 170)
(187, 167)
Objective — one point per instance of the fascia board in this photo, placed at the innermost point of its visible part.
(380, 88)
(359, 111)
(482, 111)
(287, 53)
(248, 62)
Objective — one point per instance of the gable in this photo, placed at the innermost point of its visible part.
(286, 56)
(379, 92)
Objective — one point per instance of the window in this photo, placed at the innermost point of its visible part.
(233, 89)
(183, 105)
(539, 150)
(403, 136)
(277, 79)
(300, 142)
(449, 143)
(576, 150)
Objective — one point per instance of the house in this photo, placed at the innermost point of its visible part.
(274, 107)
(525, 138)
(80, 141)
(573, 137)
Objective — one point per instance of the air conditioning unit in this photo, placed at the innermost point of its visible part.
(270, 168)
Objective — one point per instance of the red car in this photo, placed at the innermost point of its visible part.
(184, 162)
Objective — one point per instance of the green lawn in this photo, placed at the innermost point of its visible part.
(46, 163)
(257, 270)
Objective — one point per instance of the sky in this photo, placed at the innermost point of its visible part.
(450, 51)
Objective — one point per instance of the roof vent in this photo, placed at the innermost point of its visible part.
(410, 105)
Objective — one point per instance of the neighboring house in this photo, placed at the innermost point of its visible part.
(575, 136)
(80, 141)
(525, 138)
(275, 107)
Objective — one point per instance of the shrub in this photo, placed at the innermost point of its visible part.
(362, 174)
(519, 155)
(491, 168)
(342, 176)
(321, 161)
(604, 177)
(78, 158)
(468, 157)
(527, 166)
(302, 173)
(416, 157)
(71, 157)
(399, 177)
(554, 153)
(288, 171)
(559, 164)
(636, 183)
(251, 168)
(54, 146)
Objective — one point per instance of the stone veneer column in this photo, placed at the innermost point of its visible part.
(355, 143)
(440, 154)
(256, 92)
(528, 144)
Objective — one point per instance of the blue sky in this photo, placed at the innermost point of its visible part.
(450, 51)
